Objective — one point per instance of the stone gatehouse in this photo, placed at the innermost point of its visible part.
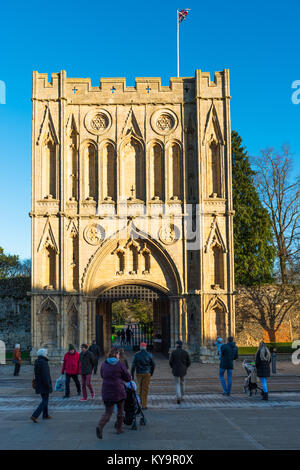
(131, 189)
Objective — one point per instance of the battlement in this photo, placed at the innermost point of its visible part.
(114, 89)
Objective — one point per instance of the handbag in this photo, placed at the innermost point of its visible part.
(60, 384)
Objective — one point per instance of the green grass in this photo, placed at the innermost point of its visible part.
(280, 347)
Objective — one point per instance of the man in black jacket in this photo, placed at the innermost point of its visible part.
(43, 384)
(229, 352)
(96, 351)
(179, 362)
(87, 361)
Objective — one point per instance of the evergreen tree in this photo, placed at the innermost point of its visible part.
(9, 265)
(253, 248)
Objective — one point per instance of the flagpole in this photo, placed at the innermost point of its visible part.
(177, 43)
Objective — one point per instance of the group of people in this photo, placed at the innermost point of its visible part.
(229, 352)
(125, 335)
(115, 373)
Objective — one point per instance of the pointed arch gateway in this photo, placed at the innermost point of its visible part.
(138, 274)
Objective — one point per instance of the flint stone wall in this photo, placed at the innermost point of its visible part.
(249, 332)
(15, 313)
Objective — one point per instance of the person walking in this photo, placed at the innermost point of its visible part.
(262, 364)
(128, 335)
(17, 359)
(114, 374)
(71, 367)
(229, 352)
(87, 361)
(97, 353)
(43, 384)
(144, 365)
(122, 337)
(119, 337)
(179, 362)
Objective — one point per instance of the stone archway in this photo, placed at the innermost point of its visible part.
(157, 274)
(161, 314)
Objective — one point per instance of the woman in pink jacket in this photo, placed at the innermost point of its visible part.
(71, 366)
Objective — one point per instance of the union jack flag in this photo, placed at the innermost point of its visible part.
(182, 14)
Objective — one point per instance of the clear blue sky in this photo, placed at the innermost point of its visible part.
(258, 41)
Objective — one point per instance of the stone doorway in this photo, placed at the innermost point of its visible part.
(160, 335)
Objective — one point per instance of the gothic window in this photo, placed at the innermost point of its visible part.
(49, 267)
(91, 171)
(217, 323)
(133, 259)
(73, 165)
(121, 262)
(108, 172)
(73, 262)
(217, 268)
(49, 154)
(174, 175)
(156, 171)
(214, 173)
(48, 321)
(146, 261)
(132, 170)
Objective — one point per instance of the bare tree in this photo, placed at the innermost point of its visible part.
(268, 305)
(280, 193)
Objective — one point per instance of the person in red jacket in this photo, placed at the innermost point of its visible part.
(71, 366)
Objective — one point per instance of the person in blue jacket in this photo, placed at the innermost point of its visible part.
(229, 352)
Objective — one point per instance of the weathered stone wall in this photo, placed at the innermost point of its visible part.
(249, 331)
(15, 312)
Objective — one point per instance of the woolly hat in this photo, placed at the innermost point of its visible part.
(143, 345)
(179, 342)
(42, 352)
(219, 340)
(71, 347)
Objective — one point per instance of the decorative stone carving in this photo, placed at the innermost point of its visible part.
(94, 234)
(164, 121)
(167, 234)
(97, 121)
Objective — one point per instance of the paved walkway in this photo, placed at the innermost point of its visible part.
(204, 420)
(205, 429)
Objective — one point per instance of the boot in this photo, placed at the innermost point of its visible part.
(265, 396)
(102, 423)
(119, 424)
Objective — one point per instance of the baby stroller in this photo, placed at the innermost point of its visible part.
(250, 385)
(132, 407)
